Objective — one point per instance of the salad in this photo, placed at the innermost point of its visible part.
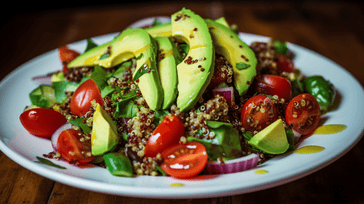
(183, 98)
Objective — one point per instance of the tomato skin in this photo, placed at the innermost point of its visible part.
(266, 114)
(66, 55)
(303, 113)
(284, 64)
(167, 133)
(71, 148)
(184, 160)
(84, 94)
(273, 85)
(42, 122)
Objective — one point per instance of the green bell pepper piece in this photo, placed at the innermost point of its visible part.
(118, 164)
(322, 90)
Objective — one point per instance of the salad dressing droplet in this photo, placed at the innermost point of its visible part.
(261, 171)
(309, 149)
(330, 129)
(177, 184)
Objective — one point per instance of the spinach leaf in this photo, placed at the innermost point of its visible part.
(99, 76)
(60, 88)
(126, 108)
(159, 115)
(78, 122)
(49, 163)
(119, 73)
(90, 45)
(242, 65)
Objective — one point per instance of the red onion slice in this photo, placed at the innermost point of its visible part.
(297, 136)
(43, 79)
(227, 93)
(56, 134)
(233, 166)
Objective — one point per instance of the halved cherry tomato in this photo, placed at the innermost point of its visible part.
(303, 113)
(167, 133)
(42, 122)
(273, 85)
(284, 64)
(66, 55)
(184, 160)
(72, 149)
(258, 112)
(84, 94)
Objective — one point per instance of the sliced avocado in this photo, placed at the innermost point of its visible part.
(130, 43)
(104, 135)
(237, 53)
(195, 72)
(167, 69)
(272, 139)
(223, 21)
(160, 30)
(59, 76)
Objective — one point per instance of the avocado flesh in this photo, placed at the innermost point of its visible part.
(237, 53)
(167, 69)
(104, 135)
(160, 30)
(130, 43)
(272, 139)
(193, 78)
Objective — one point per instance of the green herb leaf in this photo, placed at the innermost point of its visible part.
(141, 71)
(90, 45)
(99, 76)
(156, 22)
(104, 56)
(49, 163)
(159, 115)
(125, 136)
(140, 56)
(120, 72)
(78, 122)
(107, 90)
(160, 170)
(60, 88)
(126, 108)
(242, 65)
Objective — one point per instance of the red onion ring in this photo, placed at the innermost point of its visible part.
(56, 134)
(234, 165)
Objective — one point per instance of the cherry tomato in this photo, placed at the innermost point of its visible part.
(84, 94)
(184, 160)
(258, 112)
(273, 85)
(72, 149)
(167, 133)
(42, 122)
(66, 55)
(303, 113)
(284, 64)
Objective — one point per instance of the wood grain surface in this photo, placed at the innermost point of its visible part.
(332, 29)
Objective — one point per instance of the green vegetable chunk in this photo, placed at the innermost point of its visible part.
(322, 90)
(225, 144)
(281, 47)
(43, 96)
(118, 164)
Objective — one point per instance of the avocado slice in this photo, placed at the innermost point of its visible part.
(130, 43)
(160, 30)
(237, 53)
(223, 21)
(104, 135)
(272, 139)
(167, 69)
(195, 72)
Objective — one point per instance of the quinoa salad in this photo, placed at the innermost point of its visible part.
(134, 107)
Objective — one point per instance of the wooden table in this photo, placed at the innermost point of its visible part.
(334, 30)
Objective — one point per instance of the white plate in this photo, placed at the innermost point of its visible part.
(23, 148)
